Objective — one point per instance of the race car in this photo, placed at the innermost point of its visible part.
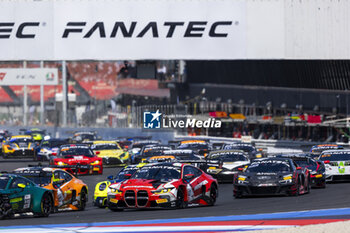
(201, 147)
(110, 152)
(47, 147)
(77, 159)
(69, 193)
(18, 146)
(337, 163)
(318, 149)
(272, 176)
(224, 164)
(102, 188)
(252, 152)
(4, 134)
(316, 167)
(148, 151)
(164, 185)
(19, 195)
(84, 137)
(37, 134)
(136, 148)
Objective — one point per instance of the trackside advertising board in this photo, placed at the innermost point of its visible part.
(120, 29)
(33, 76)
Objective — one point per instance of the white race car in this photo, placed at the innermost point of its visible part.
(337, 163)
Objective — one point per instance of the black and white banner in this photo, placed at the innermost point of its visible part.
(122, 29)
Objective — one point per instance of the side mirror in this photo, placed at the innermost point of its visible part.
(127, 176)
(299, 168)
(22, 186)
(189, 176)
(54, 153)
(97, 152)
(110, 177)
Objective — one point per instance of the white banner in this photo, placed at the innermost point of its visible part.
(119, 29)
(32, 76)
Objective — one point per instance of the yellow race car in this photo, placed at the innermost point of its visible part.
(18, 146)
(110, 152)
(101, 188)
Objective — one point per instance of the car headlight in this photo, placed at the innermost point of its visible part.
(161, 191)
(242, 180)
(61, 163)
(102, 186)
(95, 162)
(116, 191)
(287, 179)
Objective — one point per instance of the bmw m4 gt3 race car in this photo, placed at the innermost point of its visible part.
(164, 185)
(102, 188)
(110, 152)
(272, 176)
(18, 146)
(19, 195)
(77, 159)
(224, 164)
(337, 163)
(69, 193)
(316, 168)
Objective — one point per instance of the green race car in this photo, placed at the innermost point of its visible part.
(19, 195)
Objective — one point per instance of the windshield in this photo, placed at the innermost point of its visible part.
(40, 180)
(122, 173)
(239, 147)
(198, 146)
(105, 147)
(3, 182)
(73, 151)
(335, 157)
(228, 157)
(268, 166)
(52, 144)
(21, 140)
(84, 137)
(305, 162)
(163, 173)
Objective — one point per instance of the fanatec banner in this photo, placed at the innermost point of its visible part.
(120, 29)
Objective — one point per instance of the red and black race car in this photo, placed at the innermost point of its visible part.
(164, 185)
(77, 159)
(272, 176)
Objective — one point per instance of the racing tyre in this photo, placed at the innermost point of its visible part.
(83, 199)
(297, 191)
(180, 200)
(46, 205)
(309, 186)
(115, 209)
(213, 195)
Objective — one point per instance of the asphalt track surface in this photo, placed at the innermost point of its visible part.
(334, 196)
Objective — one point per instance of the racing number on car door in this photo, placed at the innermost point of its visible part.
(194, 183)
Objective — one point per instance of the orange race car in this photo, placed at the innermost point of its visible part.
(70, 193)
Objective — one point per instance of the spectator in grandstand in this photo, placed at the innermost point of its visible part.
(124, 71)
(161, 72)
